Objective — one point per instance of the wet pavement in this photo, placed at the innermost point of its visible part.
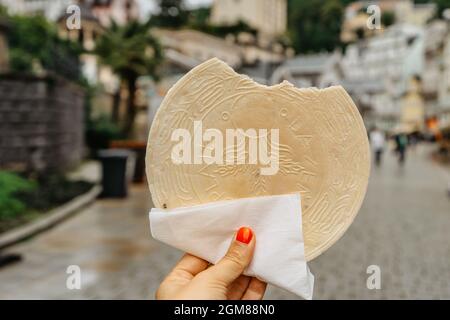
(403, 228)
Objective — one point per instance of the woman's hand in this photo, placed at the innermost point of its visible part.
(193, 279)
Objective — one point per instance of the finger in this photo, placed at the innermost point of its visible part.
(189, 266)
(255, 290)
(238, 257)
(237, 289)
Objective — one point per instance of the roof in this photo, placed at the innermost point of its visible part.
(181, 59)
(365, 86)
(196, 36)
(310, 63)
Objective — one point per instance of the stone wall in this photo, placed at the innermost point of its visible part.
(41, 122)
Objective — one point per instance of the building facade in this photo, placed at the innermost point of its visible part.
(392, 58)
(356, 16)
(96, 15)
(269, 17)
(51, 9)
(120, 11)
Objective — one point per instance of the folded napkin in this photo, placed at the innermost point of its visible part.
(206, 231)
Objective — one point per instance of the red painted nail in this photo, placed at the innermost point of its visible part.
(244, 235)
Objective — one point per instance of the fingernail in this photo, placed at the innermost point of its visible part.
(244, 235)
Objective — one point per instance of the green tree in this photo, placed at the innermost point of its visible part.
(199, 16)
(34, 39)
(3, 11)
(10, 185)
(441, 6)
(172, 14)
(387, 18)
(131, 51)
(315, 25)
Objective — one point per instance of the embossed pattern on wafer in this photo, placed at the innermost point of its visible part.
(323, 148)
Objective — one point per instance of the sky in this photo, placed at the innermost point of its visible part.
(149, 6)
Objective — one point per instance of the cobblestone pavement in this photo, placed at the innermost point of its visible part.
(403, 228)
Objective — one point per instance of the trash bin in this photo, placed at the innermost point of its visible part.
(115, 172)
(139, 148)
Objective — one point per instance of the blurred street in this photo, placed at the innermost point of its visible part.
(403, 228)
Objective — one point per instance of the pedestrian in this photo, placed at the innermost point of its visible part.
(401, 141)
(448, 189)
(378, 141)
(193, 278)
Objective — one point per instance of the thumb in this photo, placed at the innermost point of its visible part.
(238, 257)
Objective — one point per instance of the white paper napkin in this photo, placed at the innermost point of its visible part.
(206, 231)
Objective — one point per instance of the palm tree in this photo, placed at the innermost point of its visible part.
(131, 51)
